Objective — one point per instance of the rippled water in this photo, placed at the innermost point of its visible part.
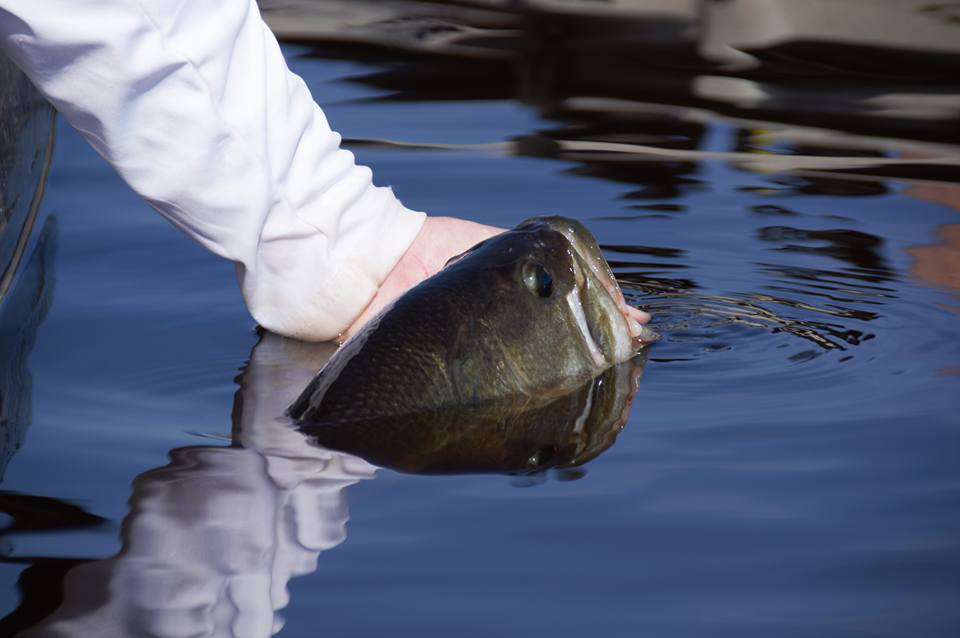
(789, 466)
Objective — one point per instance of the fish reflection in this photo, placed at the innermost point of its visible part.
(516, 435)
(212, 539)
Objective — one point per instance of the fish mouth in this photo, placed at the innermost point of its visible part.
(587, 255)
(647, 335)
(593, 275)
(641, 334)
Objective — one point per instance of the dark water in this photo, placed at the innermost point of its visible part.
(790, 465)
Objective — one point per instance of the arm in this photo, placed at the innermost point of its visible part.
(193, 105)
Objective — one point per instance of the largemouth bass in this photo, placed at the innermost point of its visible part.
(522, 319)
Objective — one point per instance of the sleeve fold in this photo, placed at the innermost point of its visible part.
(193, 104)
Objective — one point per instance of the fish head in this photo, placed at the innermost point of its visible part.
(590, 293)
(526, 315)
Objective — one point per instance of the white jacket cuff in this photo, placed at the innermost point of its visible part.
(194, 106)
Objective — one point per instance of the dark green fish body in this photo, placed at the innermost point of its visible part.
(513, 325)
(518, 434)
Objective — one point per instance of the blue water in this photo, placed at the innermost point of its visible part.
(789, 467)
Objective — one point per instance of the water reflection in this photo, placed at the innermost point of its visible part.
(938, 264)
(521, 434)
(795, 100)
(817, 305)
(26, 145)
(212, 539)
(774, 482)
(22, 311)
(21, 314)
(889, 69)
(857, 248)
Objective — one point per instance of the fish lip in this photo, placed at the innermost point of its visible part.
(590, 260)
(576, 303)
(640, 334)
(598, 266)
(647, 336)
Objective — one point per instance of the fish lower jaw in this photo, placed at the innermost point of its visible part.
(645, 337)
(573, 301)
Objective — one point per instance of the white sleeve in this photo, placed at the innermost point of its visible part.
(193, 105)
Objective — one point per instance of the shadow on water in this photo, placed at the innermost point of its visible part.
(221, 524)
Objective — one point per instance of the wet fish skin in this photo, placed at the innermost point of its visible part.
(527, 313)
(515, 435)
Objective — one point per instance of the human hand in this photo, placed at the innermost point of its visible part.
(439, 239)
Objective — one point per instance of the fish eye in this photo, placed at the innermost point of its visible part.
(537, 279)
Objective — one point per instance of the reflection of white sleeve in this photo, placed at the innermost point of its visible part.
(209, 547)
(194, 106)
(213, 539)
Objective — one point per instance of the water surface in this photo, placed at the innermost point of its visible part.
(790, 463)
